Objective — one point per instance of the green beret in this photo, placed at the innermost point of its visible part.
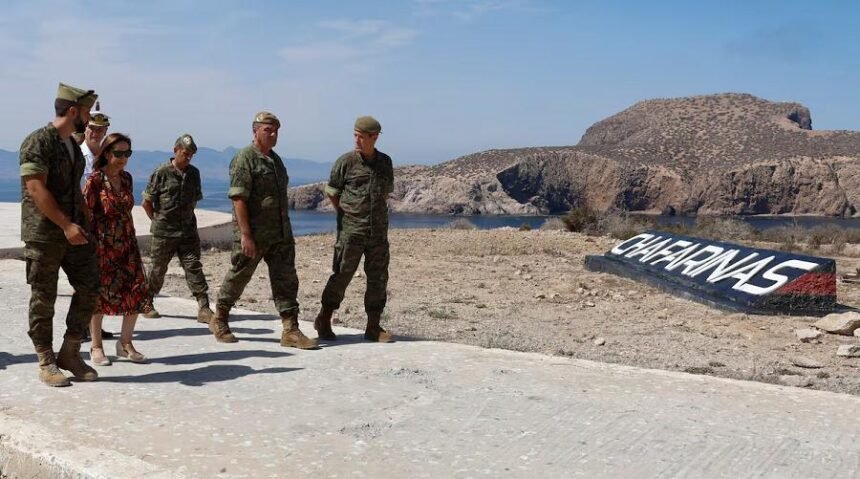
(86, 98)
(367, 124)
(268, 118)
(186, 142)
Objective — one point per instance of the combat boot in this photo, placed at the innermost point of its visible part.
(48, 371)
(323, 324)
(204, 313)
(374, 331)
(69, 358)
(292, 336)
(219, 327)
(149, 310)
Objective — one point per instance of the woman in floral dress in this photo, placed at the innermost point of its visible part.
(109, 197)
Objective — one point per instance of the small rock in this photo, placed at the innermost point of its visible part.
(599, 341)
(315, 281)
(807, 334)
(839, 323)
(795, 381)
(857, 332)
(359, 274)
(528, 276)
(662, 315)
(495, 259)
(518, 272)
(588, 304)
(808, 363)
(849, 351)
(554, 296)
(579, 291)
(540, 296)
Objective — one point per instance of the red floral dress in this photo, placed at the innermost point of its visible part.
(123, 285)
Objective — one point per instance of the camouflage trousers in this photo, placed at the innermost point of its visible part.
(280, 257)
(345, 263)
(187, 250)
(44, 261)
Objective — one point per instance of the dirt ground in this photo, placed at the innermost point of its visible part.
(529, 291)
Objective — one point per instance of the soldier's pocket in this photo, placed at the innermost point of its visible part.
(166, 201)
(36, 267)
(338, 257)
(267, 182)
(357, 186)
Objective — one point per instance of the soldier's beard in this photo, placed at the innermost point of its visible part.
(80, 126)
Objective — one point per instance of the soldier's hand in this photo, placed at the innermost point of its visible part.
(249, 248)
(75, 234)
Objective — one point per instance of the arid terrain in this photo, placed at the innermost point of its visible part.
(529, 291)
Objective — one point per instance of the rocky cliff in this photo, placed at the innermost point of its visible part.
(715, 154)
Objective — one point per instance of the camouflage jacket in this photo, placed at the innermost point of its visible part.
(173, 196)
(363, 187)
(262, 182)
(44, 152)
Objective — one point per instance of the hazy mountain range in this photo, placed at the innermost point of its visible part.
(213, 165)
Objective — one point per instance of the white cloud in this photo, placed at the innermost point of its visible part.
(469, 10)
(344, 39)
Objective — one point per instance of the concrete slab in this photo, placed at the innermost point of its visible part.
(212, 225)
(408, 409)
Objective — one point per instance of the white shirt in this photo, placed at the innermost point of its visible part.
(90, 159)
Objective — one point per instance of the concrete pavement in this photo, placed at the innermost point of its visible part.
(408, 409)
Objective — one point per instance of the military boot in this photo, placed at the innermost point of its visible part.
(323, 324)
(69, 358)
(374, 331)
(149, 310)
(219, 327)
(292, 336)
(48, 371)
(204, 313)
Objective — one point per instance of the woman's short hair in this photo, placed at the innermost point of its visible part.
(107, 146)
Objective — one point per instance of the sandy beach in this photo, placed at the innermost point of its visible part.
(529, 291)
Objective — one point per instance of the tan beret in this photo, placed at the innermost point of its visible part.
(86, 98)
(367, 124)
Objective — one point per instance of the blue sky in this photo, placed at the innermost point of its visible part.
(444, 77)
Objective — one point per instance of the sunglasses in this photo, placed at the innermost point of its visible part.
(121, 153)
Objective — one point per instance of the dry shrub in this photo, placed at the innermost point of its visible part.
(462, 224)
(580, 220)
(724, 229)
(784, 234)
(553, 224)
(826, 235)
(622, 225)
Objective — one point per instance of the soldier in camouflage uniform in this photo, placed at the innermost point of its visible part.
(360, 183)
(54, 227)
(169, 200)
(261, 231)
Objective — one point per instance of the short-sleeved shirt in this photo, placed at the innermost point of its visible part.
(261, 180)
(173, 195)
(363, 186)
(44, 152)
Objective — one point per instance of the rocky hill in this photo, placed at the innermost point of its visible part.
(716, 154)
